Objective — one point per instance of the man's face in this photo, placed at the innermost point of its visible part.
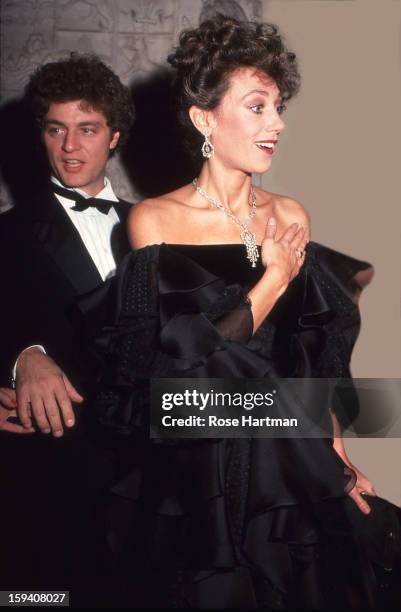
(78, 141)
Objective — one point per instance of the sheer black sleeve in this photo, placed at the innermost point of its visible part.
(173, 319)
(232, 316)
(340, 279)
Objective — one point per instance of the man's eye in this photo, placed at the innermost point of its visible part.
(54, 130)
(88, 130)
(257, 108)
(281, 108)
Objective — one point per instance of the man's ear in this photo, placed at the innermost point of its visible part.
(114, 140)
(203, 120)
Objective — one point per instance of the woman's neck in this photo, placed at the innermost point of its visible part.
(230, 187)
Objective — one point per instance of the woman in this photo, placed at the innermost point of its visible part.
(224, 282)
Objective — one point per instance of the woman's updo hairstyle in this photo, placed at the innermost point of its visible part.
(206, 56)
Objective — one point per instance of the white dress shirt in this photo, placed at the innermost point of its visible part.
(94, 227)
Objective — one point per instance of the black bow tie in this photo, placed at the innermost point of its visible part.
(82, 203)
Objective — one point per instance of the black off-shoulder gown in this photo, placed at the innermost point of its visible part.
(237, 523)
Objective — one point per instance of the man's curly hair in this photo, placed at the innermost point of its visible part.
(82, 77)
(206, 57)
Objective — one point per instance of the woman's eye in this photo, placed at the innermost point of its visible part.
(281, 108)
(257, 108)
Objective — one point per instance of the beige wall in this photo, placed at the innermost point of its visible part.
(340, 156)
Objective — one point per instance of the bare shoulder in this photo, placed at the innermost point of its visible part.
(150, 220)
(143, 223)
(293, 211)
(287, 210)
(161, 219)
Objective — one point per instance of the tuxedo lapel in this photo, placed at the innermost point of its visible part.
(122, 209)
(119, 240)
(61, 240)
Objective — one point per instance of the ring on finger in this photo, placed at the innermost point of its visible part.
(300, 253)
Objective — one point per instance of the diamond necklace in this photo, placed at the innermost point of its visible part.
(247, 237)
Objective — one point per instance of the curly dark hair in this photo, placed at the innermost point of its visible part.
(82, 77)
(206, 56)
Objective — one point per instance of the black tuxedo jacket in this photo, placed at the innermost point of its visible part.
(45, 272)
(51, 486)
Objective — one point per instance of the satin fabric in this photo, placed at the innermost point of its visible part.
(234, 522)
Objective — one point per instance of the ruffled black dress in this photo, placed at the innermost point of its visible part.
(237, 523)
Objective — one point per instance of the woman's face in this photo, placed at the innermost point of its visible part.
(248, 122)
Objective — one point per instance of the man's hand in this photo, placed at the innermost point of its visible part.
(8, 404)
(44, 393)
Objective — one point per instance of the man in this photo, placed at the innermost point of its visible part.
(57, 250)
(83, 112)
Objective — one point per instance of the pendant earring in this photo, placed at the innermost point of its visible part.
(207, 148)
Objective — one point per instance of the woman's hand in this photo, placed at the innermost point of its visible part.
(362, 486)
(8, 406)
(282, 264)
(286, 255)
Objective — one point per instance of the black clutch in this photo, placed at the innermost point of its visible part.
(379, 533)
(380, 530)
